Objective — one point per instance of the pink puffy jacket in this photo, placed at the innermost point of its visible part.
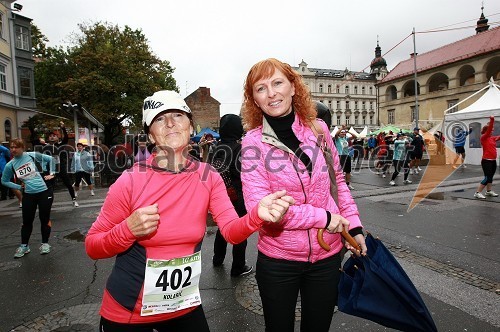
(268, 165)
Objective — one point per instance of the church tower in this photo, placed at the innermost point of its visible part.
(378, 66)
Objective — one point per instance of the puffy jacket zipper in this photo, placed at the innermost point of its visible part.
(305, 202)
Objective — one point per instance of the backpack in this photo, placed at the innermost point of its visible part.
(221, 161)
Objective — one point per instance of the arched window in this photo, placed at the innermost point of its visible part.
(371, 90)
(329, 88)
(355, 89)
(321, 88)
(8, 130)
(362, 90)
(346, 90)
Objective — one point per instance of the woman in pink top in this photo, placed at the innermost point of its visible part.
(280, 152)
(153, 221)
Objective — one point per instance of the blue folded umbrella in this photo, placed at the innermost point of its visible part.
(376, 287)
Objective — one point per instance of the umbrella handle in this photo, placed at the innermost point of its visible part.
(346, 236)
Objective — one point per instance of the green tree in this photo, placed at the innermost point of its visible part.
(108, 70)
(38, 42)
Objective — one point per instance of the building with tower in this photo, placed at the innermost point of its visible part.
(445, 76)
(350, 96)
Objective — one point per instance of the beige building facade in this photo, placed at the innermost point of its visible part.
(17, 89)
(445, 76)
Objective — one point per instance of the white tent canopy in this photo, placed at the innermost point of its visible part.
(474, 117)
(364, 132)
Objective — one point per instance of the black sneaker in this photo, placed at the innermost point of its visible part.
(243, 272)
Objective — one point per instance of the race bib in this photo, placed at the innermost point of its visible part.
(26, 171)
(171, 285)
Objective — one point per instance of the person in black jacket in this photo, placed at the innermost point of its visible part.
(60, 152)
(226, 161)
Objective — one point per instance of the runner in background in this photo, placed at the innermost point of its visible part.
(36, 172)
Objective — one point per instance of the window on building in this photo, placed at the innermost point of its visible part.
(355, 89)
(346, 89)
(3, 77)
(8, 130)
(363, 105)
(338, 104)
(371, 119)
(25, 82)
(347, 106)
(338, 121)
(371, 105)
(362, 90)
(364, 120)
(330, 104)
(1, 24)
(321, 88)
(338, 88)
(390, 117)
(22, 38)
(371, 90)
(453, 103)
(356, 118)
(329, 88)
(303, 69)
(347, 121)
(355, 105)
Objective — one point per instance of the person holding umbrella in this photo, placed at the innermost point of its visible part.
(280, 151)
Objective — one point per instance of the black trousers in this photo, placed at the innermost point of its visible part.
(239, 251)
(279, 284)
(193, 321)
(43, 200)
(82, 175)
(489, 168)
(64, 176)
(398, 164)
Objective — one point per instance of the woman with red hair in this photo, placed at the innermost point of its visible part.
(280, 150)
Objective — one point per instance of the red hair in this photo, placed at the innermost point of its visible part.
(301, 102)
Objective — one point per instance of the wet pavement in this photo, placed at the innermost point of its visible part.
(449, 246)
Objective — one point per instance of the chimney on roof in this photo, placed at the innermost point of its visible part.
(205, 91)
(412, 55)
(482, 24)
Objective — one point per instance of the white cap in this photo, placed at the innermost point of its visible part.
(161, 101)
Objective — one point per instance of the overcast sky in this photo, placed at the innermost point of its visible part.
(214, 43)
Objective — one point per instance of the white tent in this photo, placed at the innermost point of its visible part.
(364, 132)
(474, 117)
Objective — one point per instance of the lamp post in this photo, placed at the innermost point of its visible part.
(415, 78)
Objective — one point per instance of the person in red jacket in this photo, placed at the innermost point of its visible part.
(489, 160)
(154, 219)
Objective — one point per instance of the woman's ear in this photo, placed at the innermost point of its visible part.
(151, 139)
